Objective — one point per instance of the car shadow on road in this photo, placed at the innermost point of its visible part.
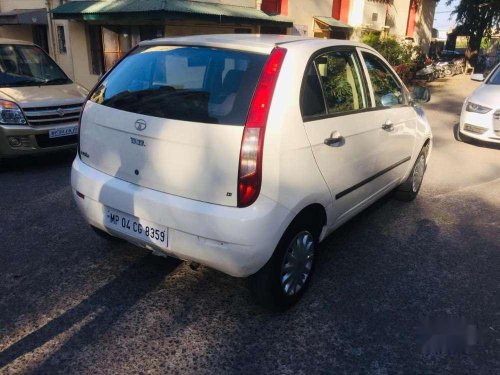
(377, 277)
(40, 162)
(370, 296)
(105, 305)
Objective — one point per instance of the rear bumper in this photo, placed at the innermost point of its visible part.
(32, 138)
(236, 241)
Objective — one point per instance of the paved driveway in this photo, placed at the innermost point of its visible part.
(70, 303)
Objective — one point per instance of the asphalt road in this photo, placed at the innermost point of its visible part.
(70, 303)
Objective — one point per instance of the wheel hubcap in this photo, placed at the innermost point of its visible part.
(418, 173)
(297, 263)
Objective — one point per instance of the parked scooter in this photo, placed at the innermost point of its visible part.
(426, 73)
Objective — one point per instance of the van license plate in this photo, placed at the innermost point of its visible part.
(138, 228)
(63, 132)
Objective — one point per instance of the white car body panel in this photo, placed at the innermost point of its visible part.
(183, 185)
(487, 95)
(229, 239)
(188, 159)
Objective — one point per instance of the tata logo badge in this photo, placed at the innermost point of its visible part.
(140, 125)
(60, 112)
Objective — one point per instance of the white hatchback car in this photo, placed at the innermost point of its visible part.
(243, 152)
(480, 118)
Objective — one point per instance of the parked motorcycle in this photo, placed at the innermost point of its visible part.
(459, 65)
(427, 73)
(438, 70)
(447, 68)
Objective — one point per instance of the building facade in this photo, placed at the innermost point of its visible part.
(404, 19)
(26, 20)
(87, 37)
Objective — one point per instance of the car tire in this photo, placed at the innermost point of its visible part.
(283, 280)
(408, 190)
(106, 236)
(458, 135)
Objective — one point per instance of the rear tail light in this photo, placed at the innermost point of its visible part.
(252, 143)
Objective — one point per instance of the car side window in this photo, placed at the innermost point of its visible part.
(312, 102)
(340, 76)
(387, 90)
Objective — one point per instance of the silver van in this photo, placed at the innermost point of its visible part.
(39, 105)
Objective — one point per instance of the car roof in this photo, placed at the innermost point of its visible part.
(263, 43)
(14, 41)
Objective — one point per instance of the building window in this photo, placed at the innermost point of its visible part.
(118, 40)
(95, 49)
(61, 39)
(271, 6)
(340, 10)
(273, 30)
(151, 32)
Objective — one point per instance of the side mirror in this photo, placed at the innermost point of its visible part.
(421, 94)
(477, 77)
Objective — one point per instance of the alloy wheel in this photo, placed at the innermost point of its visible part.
(418, 173)
(297, 263)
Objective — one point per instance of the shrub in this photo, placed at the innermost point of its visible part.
(402, 56)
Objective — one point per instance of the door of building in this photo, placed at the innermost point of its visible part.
(40, 36)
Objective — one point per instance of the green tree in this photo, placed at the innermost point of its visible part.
(477, 19)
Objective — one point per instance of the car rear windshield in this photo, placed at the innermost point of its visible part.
(184, 83)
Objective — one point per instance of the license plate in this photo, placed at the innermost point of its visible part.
(141, 229)
(63, 132)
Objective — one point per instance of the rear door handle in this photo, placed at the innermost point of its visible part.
(389, 126)
(335, 139)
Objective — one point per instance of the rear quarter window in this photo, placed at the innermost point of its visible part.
(184, 83)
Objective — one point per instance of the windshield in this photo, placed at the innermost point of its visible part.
(184, 83)
(495, 77)
(27, 65)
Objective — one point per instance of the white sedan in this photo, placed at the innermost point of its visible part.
(480, 118)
